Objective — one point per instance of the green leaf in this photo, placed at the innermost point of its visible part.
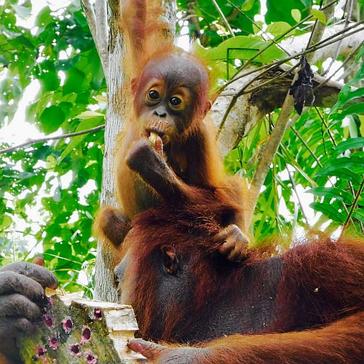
(319, 15)
(345, 173)
(75, 81)
(296, 15)
(282, 10)
(278, 28)
(241, 47)
(359, 214)
(89, 115)
(52, 118)
(85, 124)
(352, 143)
(330, 211)
(332, 192)
(248, 5)
(5, 222)
(353, 109)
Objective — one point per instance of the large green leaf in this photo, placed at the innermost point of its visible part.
(244, 48)
(282, 10)
(52, 118)
(330, 211)
(352, 143)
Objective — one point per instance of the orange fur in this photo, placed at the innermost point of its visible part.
(339, 343)
(305, 306)
(193, 155)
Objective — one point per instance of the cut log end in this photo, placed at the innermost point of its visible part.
(76, 330)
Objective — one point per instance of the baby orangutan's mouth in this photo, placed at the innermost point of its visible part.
(157, 139)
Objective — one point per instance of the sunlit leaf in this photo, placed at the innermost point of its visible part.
(319, 15)
(296, 15)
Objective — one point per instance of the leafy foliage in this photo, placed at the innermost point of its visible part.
(51, 190)
(322, 156)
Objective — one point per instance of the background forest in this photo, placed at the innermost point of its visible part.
(53, 89)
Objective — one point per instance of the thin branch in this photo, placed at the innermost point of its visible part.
(298, 135)
(324, 43)
(275, 41)
(346, 24)
(249, 61)
(271, 80)
(326, 126)
(223, 17)
(353, 206)
(91, 13)
(244, 90)
(348, 58)
(319, 28)
(193, 20)
(294, 186)
(267, 68)
(47, 139)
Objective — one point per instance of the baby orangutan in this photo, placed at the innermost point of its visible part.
(167, 101)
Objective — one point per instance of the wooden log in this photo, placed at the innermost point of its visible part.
(76, 330)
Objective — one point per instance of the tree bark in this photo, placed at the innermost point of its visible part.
(75, 330)
(104, 277)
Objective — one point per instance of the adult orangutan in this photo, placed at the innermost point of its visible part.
(167, 101)
(305, 306)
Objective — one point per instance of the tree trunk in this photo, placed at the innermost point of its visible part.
(104, 277)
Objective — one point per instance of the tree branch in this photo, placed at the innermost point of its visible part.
(223, 17)
(90, 16)
(102, 34)
(239, 112)
(47, 139)
(92, 12)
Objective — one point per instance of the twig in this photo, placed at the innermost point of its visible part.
(353, 206)
(275, 41)
(249, 61)
(348, 58)
(317, 46)
(267, 68)
(294, 186)
(192, 19)
(244, 90)
(223, 17)
(47, 139)
(326, 126)
(347, 20)
(306, 146)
